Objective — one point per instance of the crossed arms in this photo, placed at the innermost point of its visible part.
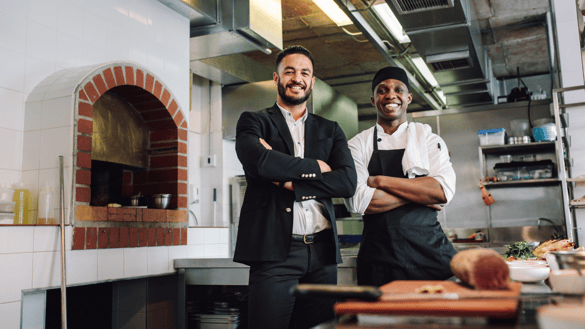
(393, 192)
(375, 194)
(331, 177)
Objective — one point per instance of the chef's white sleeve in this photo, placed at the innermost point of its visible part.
(440, 166)
(361, 157)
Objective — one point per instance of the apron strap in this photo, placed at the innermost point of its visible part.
(375, 139)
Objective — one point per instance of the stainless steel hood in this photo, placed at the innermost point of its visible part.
(447, 36)
(242, 26)
(227, 27)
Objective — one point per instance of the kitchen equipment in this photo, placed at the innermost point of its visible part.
(524, 272)
(238, 187)
(469, 302)
(561, 315)
(545, 132)
(540, 122)
(161, 201)
(519, 93)
(519, 170)
(492, 136)
(568, 281)
(216, 321)
(570, 259)
(520, 127)
(506, 158)
(135, 200)
(525, 139)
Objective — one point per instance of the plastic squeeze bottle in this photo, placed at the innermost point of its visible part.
(21, 201)
(46, 206)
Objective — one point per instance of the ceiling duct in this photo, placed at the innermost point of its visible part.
(412, 6)
(447, 36)
(450, 61)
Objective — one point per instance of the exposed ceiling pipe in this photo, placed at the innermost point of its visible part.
(360, 22)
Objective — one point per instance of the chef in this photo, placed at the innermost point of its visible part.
(404, 178)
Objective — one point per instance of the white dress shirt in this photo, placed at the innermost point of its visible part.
(308, 216)
(361, 147)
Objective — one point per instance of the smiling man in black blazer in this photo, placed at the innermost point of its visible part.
(294, 162)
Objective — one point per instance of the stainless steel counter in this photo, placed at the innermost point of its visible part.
(224, 271)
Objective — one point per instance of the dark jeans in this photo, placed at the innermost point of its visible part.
(271, 305)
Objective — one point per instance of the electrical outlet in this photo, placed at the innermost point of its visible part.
(208, 160)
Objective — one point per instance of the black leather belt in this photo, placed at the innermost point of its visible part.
(311, 238)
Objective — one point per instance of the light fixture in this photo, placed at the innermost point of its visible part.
(424, 70)
(442, 96)
(391, 22)
(331, 9)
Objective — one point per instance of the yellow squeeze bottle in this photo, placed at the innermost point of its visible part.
(21, 207)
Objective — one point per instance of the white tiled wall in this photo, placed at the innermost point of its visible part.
(30, 257)
(38, 38)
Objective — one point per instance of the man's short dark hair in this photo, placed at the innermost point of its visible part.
(294, 50)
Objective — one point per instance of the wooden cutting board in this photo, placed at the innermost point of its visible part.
(497, 303)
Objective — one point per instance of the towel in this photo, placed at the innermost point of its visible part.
(415, 161)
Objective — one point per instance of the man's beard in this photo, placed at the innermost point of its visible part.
(291, 100)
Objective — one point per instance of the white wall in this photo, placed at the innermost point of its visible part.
(571, 67)
(40, 37)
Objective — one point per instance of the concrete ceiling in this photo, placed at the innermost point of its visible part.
(514, 32)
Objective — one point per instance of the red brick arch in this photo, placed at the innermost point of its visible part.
(154, 101)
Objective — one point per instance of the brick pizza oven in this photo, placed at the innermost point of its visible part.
(97, 226)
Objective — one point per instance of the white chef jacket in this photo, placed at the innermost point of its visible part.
(361, 147)
(307, 215)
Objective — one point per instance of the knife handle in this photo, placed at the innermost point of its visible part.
(368, 293)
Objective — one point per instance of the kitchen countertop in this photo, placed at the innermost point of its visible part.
(224, 271)
(532, 297)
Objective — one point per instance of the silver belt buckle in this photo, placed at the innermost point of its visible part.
(305, 239)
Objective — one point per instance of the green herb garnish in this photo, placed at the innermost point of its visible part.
(520, 250)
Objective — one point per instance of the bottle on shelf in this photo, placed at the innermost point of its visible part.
(46, 206)
(21, 199)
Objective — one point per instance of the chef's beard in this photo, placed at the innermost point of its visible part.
(292, 101)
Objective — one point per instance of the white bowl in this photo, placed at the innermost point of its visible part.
(568, 281)
(529, 262)
(528, 273)
(566, 316)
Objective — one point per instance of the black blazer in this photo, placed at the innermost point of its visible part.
(266, 217)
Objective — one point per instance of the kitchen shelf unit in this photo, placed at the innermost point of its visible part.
(553, 150)
(514, 149)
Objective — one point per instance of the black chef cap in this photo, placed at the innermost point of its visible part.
(390, 72)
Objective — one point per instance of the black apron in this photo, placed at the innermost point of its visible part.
(405, 243)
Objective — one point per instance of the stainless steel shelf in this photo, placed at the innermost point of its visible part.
(531, 147)
(524, 182)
